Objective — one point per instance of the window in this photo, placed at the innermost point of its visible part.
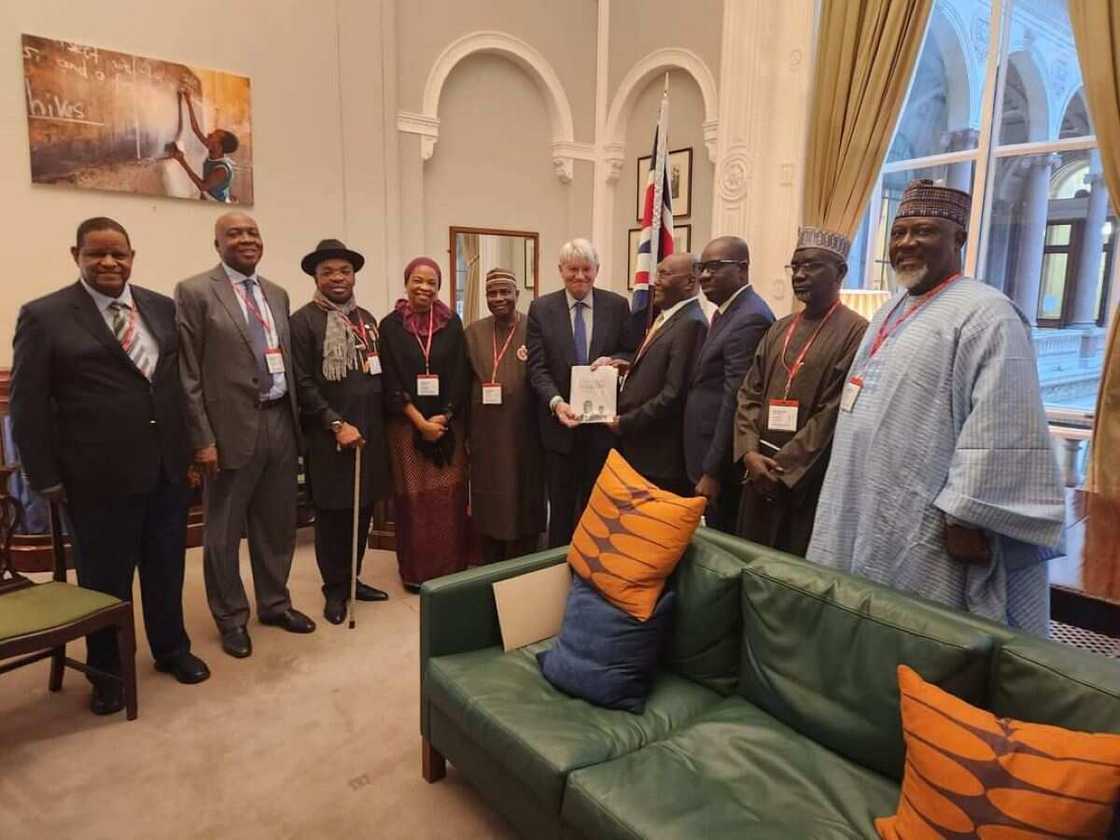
(996, 107)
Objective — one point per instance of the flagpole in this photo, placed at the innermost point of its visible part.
(658, 198)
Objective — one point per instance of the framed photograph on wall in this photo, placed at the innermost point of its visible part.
(682, 238)
(680, 182)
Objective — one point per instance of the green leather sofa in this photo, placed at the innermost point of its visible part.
(775, 714)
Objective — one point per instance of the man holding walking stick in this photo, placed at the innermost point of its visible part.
(336, 355)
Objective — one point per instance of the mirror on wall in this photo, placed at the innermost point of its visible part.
(475, 251)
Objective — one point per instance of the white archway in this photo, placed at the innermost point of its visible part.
(634, 82)
(426, 123)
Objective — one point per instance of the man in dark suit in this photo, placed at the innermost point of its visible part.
(740, 321)
(338, 373)
(651, 404)
(236, 366)
(570, 327)
(98, 417)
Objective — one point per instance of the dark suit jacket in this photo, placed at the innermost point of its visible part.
(83, 415)
(217, 365)
(722, 363)
(551, 348)
(651, 405)
(356, 398)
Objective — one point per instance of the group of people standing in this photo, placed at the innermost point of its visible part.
(914, 452)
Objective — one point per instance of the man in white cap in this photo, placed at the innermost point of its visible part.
(790, 397)
(942, 480)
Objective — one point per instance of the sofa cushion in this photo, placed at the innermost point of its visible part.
(821, 649)
(537, 732)
(734, 771)
(631, 536)
(969, 773)
(604, 654)
(1045, 682)
(707, 624)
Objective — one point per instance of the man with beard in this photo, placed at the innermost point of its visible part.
(236, 365)
(791, 395)
(942, 480)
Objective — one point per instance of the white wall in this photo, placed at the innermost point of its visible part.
(285, 46)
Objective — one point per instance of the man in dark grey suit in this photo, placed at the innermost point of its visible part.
(651, 405)
(740, 321)
(236, 367)
(569, 327)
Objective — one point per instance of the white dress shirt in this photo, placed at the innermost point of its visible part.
(143, 334)
(236, 278)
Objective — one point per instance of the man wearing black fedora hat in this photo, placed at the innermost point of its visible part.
(336, 354)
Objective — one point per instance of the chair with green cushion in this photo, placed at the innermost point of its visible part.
(38, 620)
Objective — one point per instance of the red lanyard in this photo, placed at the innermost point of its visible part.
(888, 329)
(251, 306)
(494, 340)
(426, 350)
(791, 373)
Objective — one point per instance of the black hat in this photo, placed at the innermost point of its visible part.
(331, 249)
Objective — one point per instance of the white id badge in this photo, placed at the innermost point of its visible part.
(373, 364)
(851, 393)
(427, 385)
(275, 361)
(783, 416)
(492, 394)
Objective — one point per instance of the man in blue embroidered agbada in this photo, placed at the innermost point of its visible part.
(942, 481)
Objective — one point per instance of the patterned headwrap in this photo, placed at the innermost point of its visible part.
(924, 199)
(826, 240)
(500, 277)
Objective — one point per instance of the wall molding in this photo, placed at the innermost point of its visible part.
(565, 151)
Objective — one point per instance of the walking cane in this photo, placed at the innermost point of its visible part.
(354, 554)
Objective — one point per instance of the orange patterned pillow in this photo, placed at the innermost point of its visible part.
(971, 774)
(631, 536)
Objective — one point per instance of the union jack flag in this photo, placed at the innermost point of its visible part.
(656, 242)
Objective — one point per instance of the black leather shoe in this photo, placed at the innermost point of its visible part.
(335, 611)
(236, 642)
(371, 593)
(186, 668)
(291, 620)
(107, 699)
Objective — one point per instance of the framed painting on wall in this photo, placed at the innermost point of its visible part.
(680, 182)
(104, 120)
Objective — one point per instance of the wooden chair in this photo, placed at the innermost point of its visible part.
(38, 619)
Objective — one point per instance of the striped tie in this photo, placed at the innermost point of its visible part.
(129, 336)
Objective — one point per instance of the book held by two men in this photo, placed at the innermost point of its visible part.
(594, 393)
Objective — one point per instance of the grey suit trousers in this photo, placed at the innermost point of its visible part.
(259, 499)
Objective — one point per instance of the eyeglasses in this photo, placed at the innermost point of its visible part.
(711, 266)
(809, 267)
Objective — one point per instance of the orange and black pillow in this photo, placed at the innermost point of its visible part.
(970, 774)
(631, 536)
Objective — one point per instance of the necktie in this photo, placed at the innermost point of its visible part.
(257, 337)
(129, 336)
(579, 334)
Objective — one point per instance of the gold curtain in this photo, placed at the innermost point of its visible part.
(471, 297)
(866, 54)
(1096, 30)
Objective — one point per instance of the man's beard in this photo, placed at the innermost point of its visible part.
(908, 278)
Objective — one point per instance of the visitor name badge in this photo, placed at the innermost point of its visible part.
(274, 359)
(427, 385)
(851, 393)
(373, 364)
(783, 416)
(492, 394)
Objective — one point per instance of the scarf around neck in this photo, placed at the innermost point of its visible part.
(342, 350)
(417, 324)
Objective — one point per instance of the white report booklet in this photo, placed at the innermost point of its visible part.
(594, 393)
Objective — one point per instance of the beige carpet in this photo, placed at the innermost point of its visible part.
(313, 736)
